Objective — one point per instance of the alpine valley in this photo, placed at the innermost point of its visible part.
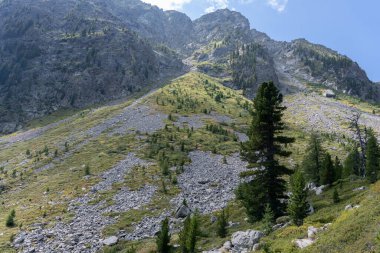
(117, 116)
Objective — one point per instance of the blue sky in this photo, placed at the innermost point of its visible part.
(350, 27)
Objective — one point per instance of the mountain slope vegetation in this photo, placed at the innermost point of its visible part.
(120, 169)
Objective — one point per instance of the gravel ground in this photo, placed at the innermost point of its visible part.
(84, 232)
(314, 112)
(207, 184)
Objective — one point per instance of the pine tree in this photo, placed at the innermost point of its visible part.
(336, 198)
(338, 168)
(163, 238)
(268, 220)
(222, 224)
(193, 234)
(298, 206)
(183, 235)
(313, 159)
(265, 144)
(352, 163)
(327, 170)
(188, 235)
(372, 155)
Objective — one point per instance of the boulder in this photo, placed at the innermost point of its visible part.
(183, 211)
(246, 239)
(112, 240)
(227, 245)
(303, 243)
(312, 232)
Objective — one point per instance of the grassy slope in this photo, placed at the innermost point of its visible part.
(186, 96)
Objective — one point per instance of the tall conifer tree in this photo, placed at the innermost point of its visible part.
(266, 143)
(372, 155)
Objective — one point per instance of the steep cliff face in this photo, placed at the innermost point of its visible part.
(316, 64)
(60, 54)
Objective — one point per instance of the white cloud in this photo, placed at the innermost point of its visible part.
(278, 5)
(216, 4)
(168, 4)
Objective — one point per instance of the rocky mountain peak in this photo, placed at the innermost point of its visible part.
(221, 24)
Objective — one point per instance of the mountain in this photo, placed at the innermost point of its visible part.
(73, 54)
(110, 175)
(62, 54)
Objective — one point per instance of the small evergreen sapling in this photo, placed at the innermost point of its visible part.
(163, 237)
(222, 223)
(10, 222)
(268, 220)
(336, 197)
(298, 206)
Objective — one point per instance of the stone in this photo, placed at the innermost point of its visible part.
(19, 239)
(227, 245)
(312, 232)
(246, 239)
(112, 240)
(311, 209)
(348, 207)
(182, 212)
(303, 243)
(362, 188)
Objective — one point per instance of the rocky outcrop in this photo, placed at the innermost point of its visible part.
(241, 241)
(311, 236)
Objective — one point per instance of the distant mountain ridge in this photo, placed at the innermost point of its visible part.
(60, 54)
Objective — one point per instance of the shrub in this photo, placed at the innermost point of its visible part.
(10, 222)
(87, 171)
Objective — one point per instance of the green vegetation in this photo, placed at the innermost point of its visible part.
(163, 237)
(298, 206)
(265, 142)
(313, 159)
(268, 220)
(189, 234)
(222, 223)
(202, 99)
(11, 219)
(372, 158)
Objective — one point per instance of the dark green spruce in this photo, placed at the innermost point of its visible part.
(163, 237)
(266, 143)
(372, 155)
(327, 170)
(313, 159)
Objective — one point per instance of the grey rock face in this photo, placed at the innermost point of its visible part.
(65, 54)
(246, 240)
